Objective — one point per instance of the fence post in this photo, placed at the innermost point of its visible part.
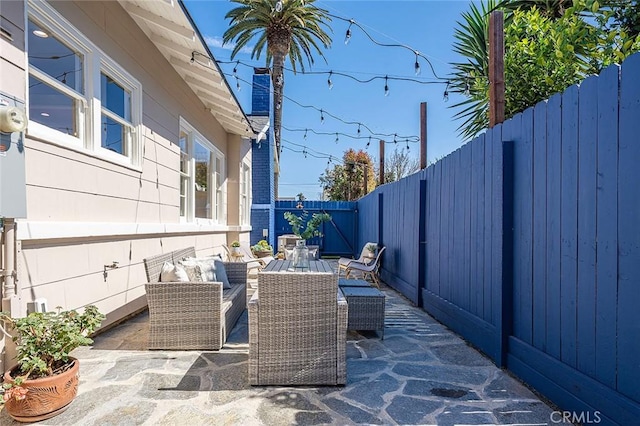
(506, 300)
(422, 240)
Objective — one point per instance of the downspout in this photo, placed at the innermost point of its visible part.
(10, 302)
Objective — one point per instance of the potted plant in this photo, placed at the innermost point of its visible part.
(311, 228)
(45, 381)
(262, 249)
(235, 248)
(371, 251)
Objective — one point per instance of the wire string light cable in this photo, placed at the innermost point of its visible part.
(417, 53)
(324, 113)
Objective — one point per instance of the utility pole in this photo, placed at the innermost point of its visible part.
(423, 135)
(496, 68)
(381, 150)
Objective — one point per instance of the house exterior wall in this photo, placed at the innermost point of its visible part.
(84, 211)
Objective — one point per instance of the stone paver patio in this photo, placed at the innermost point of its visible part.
(421, 373)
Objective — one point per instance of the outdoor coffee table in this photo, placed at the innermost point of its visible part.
(347, 282)
(366, 308)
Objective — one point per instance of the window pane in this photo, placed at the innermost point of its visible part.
(184, 188)
(115, 98)
(202, 187)
(51, 56)
(52, 108)
(113, 135)
(184, 153)
(219, 203)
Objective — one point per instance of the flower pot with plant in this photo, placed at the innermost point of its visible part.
(235, 248)
(45, 381)
(306, 229)
(262, 249)
(371, 251)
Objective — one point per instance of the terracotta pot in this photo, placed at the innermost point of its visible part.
(263, 253)
(46, 397)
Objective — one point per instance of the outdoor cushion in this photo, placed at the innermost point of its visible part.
(173, 273)
(211, 269)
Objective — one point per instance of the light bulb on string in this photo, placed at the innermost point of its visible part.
(235, 69)
(305, 134)
(358, 129)
(416, 66)
(336, 137)
(193, 59)
(395, 140)
(279, 6)
(445, 95)
(368, 143)
(386, 86)
(407, 145)
(329, 82)
(467, 88)
(347, 36)
(304, 152)
(321, 117)
(238, 84)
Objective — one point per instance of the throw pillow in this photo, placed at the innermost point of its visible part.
(193, 271)
(173, 273)
(221, 274)
(211, 268)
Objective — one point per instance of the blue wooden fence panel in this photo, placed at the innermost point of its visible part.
(339, 235)
(607, 227)
(629, 232)
(533, 245)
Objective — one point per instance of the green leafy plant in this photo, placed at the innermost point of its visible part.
(372, 248)
(235, 244)
(263, 245)
(310, 226)
(44, 341)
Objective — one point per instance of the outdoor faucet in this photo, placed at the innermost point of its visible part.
(114, 265)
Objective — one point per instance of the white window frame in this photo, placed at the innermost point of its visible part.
(90, 110)
(218, 212)
(245, 193)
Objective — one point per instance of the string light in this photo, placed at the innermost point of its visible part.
(467, 88)
(305, 134)
(416, 66)
(403, 46)
(386, 87)
(323, 112)
(358, 130)
(336, 137)
(347, 75)
(347, 36)
(382, 135)
(445, 95)
(193, 58)
(329, 82)
(238, 84)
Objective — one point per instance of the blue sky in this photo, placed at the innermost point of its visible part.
(426, 26)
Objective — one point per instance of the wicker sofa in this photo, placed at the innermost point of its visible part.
(192, 315)
(297, 330)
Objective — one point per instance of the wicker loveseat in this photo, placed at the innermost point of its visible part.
(297, 329)
(192, 315)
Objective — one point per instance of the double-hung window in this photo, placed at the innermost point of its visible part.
(78, 96)
(202, 178)
(245, 194)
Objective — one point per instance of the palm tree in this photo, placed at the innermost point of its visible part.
(292, 28)
(471, 77)
(553, 9)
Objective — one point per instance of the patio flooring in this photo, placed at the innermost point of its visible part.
(421, 373)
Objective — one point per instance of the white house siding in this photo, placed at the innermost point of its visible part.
(84, 212)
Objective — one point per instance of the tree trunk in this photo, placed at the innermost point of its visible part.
(277, 80)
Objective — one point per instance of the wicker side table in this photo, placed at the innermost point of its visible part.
(366, 308)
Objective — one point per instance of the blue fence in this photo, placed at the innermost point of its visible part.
(339, 235)
(531, 245)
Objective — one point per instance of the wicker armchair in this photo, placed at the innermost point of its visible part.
(192, 315)
(297, 330)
